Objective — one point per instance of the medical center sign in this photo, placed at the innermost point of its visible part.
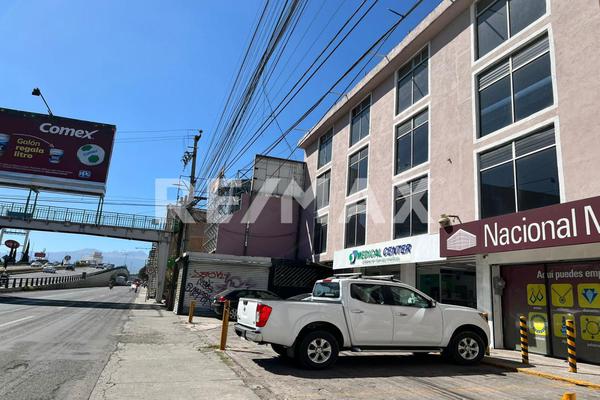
(49, 152)
(576, 222)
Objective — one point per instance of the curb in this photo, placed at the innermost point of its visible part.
(546, 375)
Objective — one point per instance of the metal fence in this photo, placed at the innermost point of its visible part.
(82, 216)
(37, 281)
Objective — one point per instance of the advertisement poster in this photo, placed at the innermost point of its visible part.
(49, 152)
(548, 295)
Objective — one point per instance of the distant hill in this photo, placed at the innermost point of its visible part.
(133, 259)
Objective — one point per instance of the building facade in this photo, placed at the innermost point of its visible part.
(486, 109)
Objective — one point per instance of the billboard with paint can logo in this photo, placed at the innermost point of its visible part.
(56, 153)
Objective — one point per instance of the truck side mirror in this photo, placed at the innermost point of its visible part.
(432, 303)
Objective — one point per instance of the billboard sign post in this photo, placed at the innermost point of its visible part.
(56, 153)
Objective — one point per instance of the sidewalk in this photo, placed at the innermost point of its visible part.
(158, 358)
(547, 367)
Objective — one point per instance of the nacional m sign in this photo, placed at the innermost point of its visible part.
(576, 222)
(48, 152)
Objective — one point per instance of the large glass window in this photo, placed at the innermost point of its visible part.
(356, 224)
(520, 175)
(413, 81)
(411, 208)
(516, 87)
(497, 20)
(412, 140)
(320, 237)
(358, 166)
(325, 145)
(323, 184)
(359, 127)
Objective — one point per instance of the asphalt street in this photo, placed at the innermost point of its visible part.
(54, 344)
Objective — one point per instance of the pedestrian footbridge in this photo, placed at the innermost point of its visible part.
(87, 222)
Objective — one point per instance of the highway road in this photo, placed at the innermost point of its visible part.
(54, 344)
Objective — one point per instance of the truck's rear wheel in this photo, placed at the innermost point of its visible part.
(466, 348)
(318, 350)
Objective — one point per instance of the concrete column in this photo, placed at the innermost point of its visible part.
(483, 283)
(162, 256)
(408, 274)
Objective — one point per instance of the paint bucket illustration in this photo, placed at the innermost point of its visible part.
(56, 155)
(4, 140)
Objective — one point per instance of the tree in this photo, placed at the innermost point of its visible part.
(142, 274)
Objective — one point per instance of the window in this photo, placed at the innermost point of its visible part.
(359, 127)
(320, 237)
(412, 146)
(325, 144)
(323, 183)
(367, 293)
(413, 82)
(411, 208)
(357, 171)
(497, 20)
(516, 87)
(400, 296)
(520, 175)
(356, 224)
(326, 289)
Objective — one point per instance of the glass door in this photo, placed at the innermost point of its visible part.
(450, 285)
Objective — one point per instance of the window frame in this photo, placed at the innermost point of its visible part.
(368, 98)
(330, 134)
(318, 186)
(510, 35)
(512, 141)
(412, 119)
(394, 198)
(346, 215)
(397, 79)
(348, 187)
(508, 58)
(322, 249)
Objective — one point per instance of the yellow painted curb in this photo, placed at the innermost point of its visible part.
(542, 374)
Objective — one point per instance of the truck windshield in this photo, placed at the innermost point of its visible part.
(326, 289)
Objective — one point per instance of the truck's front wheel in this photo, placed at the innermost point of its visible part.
(466, 348)
(318, 350)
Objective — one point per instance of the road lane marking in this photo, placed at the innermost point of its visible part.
(15, 321)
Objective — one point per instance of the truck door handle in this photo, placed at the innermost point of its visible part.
(400, 314)
(357, 311)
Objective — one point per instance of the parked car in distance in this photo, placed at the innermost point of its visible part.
(36, 264)
(300, 297)
(360, 314)
(233, 295)
(69, 267)
(49, 269)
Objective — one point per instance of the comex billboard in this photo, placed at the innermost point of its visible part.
(56, 153)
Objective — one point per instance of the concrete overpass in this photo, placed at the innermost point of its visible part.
(89, 222)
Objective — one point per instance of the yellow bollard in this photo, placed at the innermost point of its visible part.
(225, 325)
(192, 309)
(524, 339)
(569, 396)
(572, 355)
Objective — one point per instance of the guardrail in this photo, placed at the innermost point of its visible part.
(11, 283)
(81, 216)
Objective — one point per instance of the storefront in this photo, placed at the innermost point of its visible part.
(415, 261)
(543, 264)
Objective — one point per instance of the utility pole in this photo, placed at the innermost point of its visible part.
(193, 173)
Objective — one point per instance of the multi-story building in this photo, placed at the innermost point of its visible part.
(487, 111)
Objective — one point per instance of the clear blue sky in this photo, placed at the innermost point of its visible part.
(161, 65)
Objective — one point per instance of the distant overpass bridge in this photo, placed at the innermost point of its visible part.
(89, 222)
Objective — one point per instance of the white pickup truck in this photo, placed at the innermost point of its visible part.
(363, 314)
